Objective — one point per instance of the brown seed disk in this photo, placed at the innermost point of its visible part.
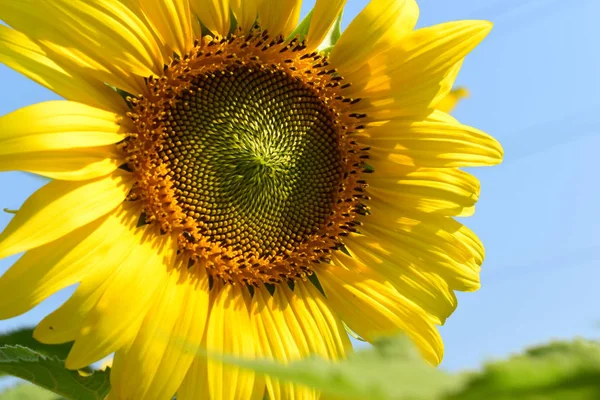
(245, 150)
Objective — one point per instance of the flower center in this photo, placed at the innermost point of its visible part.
(254, 158)
(244, 150)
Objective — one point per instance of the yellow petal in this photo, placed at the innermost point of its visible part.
(63, 325)
(427, 52)
(47, 269)
(245, 12)
(229, 331)
(448, 191)
(455, 240)
(404, 272)
(195, 384)
(214, 14)
(61, 207)
(59, 139)
(136, 366)
(380, 25)
(449, 103)
(279, 17)
(70, 165)
(103, 37)
(324, 15)
(419, 96)
(186, 338)
(313, 313)
(87, 126)
(432, 142)
(275, 340)
(419, 70)
(39, 142)
(115, 242)
(373, 309)
(20, 53)
(155, 364)
(172, 20)
(425, 210)
(421, 248)
(109, 326)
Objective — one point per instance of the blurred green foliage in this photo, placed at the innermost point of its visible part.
(558, 371)
(27, 392)
(393, 371)
(24, 337)
(390, 370)
(49, 372)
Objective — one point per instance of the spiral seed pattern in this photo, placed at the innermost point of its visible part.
(254, 158)
(245, 152)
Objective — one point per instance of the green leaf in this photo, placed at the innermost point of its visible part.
(27, 392)
(24, 337)
(302, 29)
(559, 371)
(49, 372)
(333, 36)
(392, 369)
(330, 40)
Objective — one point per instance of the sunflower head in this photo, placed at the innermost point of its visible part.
(246, 150)
(226, 179)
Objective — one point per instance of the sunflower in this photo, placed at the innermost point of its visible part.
(449, 103)
(224, 179)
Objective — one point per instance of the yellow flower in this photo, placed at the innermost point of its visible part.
(242, 192)
(449, 103)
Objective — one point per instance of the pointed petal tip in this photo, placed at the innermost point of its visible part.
(475, 28)
(499, 156)
(38, 335)
(482, 27)
(478, 24)
(44, 333)
(473, 287)
(8, 311)
(73, 363)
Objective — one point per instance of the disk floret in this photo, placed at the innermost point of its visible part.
(244, 150)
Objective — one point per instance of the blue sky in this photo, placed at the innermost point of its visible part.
(534, 85)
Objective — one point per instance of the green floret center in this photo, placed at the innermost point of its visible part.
(254, 157)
